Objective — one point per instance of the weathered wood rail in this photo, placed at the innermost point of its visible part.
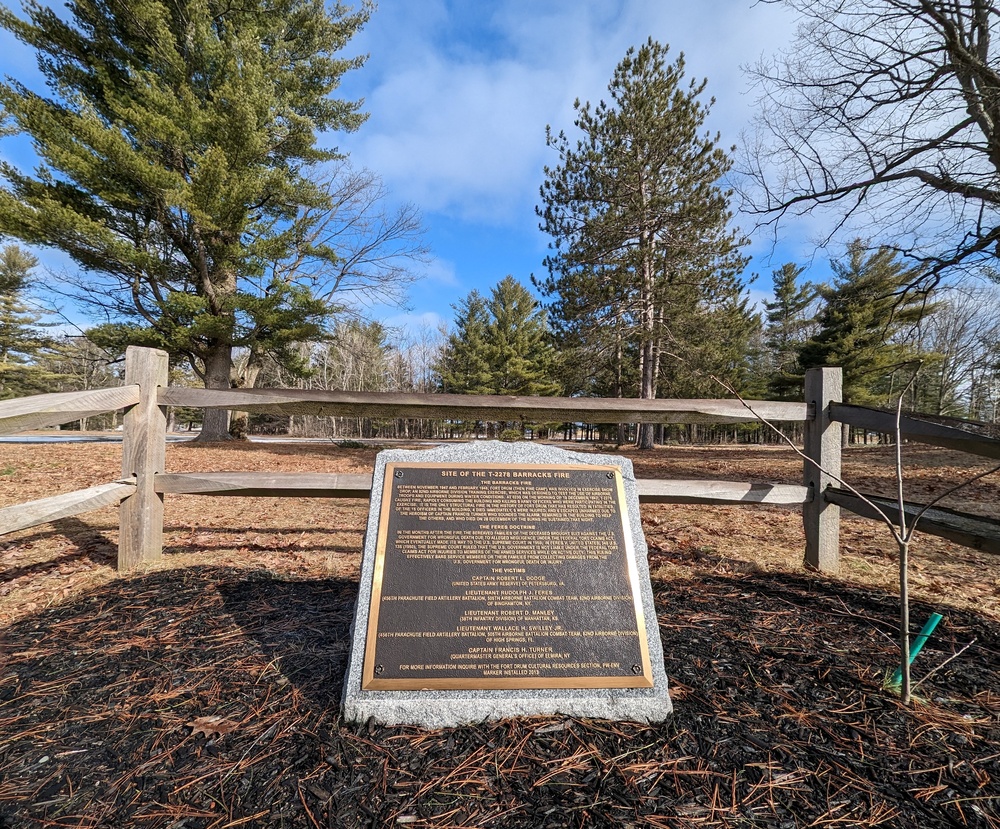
(45, 410)
(144, 483)
(481, 407)
(46, 510)
(923, 431)
(968, 530)
(333, 485)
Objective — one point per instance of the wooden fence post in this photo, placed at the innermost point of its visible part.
(822, 444)
(140, 516)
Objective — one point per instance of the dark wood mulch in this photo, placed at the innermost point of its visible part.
(209, 698)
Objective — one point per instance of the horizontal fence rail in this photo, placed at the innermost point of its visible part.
(482, 407)
(271, 484)
(659, 491)
(913, 428)
(331, 485)
(45, 510)
(968, 530)
(43, 410)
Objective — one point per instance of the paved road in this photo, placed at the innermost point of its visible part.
(69, 437)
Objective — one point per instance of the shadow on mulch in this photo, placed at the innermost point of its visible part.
(89, 545)
(209, 697)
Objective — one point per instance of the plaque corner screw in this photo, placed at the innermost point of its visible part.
(636, 669)
(611, 474)
(399, 473)
(379, 669)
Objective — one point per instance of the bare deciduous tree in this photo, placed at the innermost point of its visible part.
(357, 249)
(885, 110)
(962, 342)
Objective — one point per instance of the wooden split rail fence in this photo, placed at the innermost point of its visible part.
(145, 397)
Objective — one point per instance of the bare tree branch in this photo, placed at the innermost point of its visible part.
(884, 112)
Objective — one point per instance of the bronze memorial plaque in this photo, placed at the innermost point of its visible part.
(504, 576)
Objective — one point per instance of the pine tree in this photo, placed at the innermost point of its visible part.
(639, 225)
(500, 345)
(464, 366)
(788, 324)
(863, 324)
(22, 342)
(174, 157)
(519, 351)
(720, 342)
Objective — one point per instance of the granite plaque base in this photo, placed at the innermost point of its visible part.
(504, 580)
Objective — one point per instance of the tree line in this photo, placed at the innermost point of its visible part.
(509, 343)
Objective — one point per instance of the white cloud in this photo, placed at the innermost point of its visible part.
(439, 273)
(459, 98)
(411, 326)
(459, 139)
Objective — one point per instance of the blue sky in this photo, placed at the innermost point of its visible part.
(459, 93)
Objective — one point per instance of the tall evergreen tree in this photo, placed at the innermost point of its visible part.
(22, 340)
(519, 351)
(720, 342)
(787, 328)
(863, 322)
(174, 147)
(639, 225)
(500, 345)
(464, 366)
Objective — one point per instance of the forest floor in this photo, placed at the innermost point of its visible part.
(205, 691)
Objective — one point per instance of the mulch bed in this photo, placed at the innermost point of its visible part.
(209, 697)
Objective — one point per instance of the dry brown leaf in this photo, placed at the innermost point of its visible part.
(211, 725)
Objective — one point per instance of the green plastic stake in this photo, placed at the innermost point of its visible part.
(917, 646)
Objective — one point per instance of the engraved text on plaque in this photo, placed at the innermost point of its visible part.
(504, 576)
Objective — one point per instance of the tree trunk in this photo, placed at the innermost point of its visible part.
(647, 388)
(619, 382)
(904, 622)
(650, 355)
(218, 366)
